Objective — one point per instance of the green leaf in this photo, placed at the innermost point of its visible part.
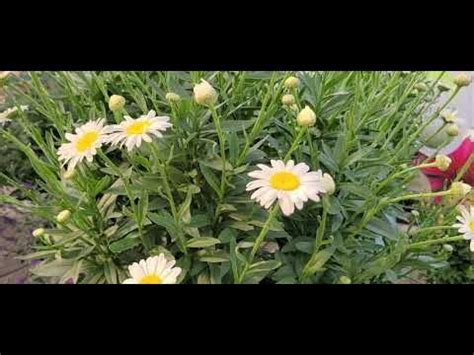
(318, 260)
(130, 241)
(218, 256)
(199, 221)
(202, 242)
(210, 178)
(227, 235)
(229, 126)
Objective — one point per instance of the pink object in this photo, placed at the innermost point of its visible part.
(458, 157)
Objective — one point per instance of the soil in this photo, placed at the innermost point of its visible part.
(15, 240)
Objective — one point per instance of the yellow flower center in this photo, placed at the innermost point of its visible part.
(86, 141)
(284, 180)
(471, 226)
(136, 128)
(150, 279)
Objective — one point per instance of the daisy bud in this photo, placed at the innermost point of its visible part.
(116, 102)
(460, 188)
(442, 162)
(292, 82)
(328, 183)
(462, 79)
(345, 280)
(452, 130)
(172, 97)
(306, 117)
(38, 232)
(288, 100)
(204, 94)
(63, 216)
(421, 87)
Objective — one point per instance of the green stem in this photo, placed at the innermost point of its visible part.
(420, 195)
(260, 238)
(221, 138)
(169, 194)
(296, 143)
(126, 186)
(406, 143)
(435, 241)
(430, 229)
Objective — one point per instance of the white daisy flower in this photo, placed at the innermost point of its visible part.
(291, 184)
(83, 144)
(466, 225)
(131, 132)
(9, 111)
(154, 270)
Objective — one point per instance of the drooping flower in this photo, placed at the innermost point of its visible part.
(83, 144)
(466, 224)
(154, 270)
(9, 111)
(131, 132)
(204, 93)
(290, 184)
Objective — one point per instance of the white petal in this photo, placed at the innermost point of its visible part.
(130, 281)
(286, 205)
(136, 271)
(278, 164)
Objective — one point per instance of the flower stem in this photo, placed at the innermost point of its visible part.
(430, 229)
(296, 142)
(169, 194)
(420, 195)
(146, 242)
(436, 241)
(220, 135)
(260, 238)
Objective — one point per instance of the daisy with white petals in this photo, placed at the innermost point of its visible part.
(154, 270)
(466, 225)
(131, 132)
(83, 144)
(10, 111)
(290, 184)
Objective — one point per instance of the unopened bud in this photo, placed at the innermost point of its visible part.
(38, 232)
(306, 117)
(291, 82)
(462, 80)
(116, 102)
(288, 100)
(63, 216)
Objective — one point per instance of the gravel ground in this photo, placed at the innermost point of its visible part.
(15, 240)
